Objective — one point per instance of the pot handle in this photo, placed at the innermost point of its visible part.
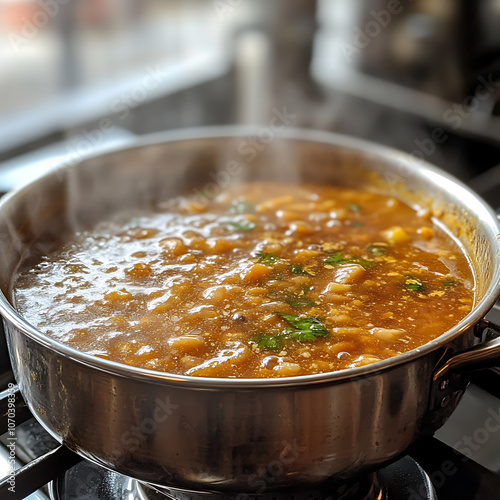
(484, 355)
(448, 380)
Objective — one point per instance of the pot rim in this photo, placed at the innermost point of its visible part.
(387, 154)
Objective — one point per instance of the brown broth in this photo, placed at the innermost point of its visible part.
(266, 280)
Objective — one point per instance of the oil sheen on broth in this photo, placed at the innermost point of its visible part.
(265, 280)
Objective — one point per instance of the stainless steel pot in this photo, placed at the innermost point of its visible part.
(229, 434)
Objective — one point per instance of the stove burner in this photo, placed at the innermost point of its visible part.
(366, 488)
(404, 479)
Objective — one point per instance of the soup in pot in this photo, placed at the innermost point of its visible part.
(264, 280)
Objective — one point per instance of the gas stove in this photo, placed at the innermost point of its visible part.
(431, 469)
(399, 480)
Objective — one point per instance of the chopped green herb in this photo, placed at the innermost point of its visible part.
(300, 330)
(303, 329)
(273, 293)
(354, 207)
(269, 342)
(377, 250)
(243, 225)
(296, 269)
(338, 258)
(357, 223)
(414, 285)
(267, 258)
(449, 283)
(241, 207)
(305, 289)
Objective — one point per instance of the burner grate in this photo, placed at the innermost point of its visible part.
(404, 479)
(39, 471)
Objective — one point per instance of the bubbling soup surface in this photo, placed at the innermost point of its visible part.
(265, 280)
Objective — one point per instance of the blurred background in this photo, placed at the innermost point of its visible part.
(420, 75)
